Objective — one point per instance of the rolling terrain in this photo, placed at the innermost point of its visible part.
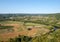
(30, 27)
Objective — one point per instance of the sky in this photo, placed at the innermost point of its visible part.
(29, 6)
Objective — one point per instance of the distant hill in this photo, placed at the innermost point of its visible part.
(5, 16)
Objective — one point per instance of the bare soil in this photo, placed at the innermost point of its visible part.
(32, 32)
